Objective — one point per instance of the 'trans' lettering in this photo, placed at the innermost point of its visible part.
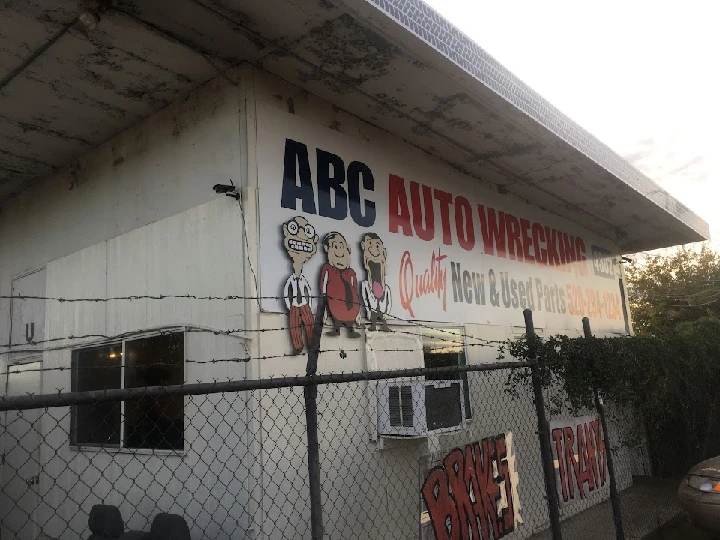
(581, 457)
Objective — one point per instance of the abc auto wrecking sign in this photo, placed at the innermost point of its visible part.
(387, 232)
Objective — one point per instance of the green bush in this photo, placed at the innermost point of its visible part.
(670, 384)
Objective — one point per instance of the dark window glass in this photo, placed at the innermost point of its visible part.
(443, 406)
(154, 422)
(446, 348)
(96, 369)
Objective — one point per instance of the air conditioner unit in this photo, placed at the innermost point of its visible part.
(418, 408)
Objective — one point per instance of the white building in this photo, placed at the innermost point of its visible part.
(354, 116)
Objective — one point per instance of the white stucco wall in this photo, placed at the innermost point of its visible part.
(138, 216)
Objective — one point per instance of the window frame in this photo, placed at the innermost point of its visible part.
(73, 386)
(121, 448)
(462, 377)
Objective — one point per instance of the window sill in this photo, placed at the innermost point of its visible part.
(135, 451)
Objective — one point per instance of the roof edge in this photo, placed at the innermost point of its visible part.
(427, 25)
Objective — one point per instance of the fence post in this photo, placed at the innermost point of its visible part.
(600, 406)
(310, 391)
(543, 432)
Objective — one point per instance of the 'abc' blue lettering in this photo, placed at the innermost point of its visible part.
(337, 191)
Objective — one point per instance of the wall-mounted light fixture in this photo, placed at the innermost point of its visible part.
(88, 20)
(229, 190)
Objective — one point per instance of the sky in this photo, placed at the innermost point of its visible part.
(640, 75)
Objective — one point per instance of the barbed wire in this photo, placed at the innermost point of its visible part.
(210, 297)
(460, 338)
(702, 297)
(703, 304)
(191, 327)
(686, 294)
(106, 339)
(218, 298)
(340, 350)
(245, 359)
(175, 328)
(132, 297)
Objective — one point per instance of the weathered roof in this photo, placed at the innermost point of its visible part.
(395, 63)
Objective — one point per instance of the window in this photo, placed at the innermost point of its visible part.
(446, 348)
(145, 422)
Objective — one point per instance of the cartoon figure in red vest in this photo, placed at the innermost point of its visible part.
(339, 285)
(300, 242)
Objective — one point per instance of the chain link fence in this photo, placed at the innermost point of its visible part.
(425, 453)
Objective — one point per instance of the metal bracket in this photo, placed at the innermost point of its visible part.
(31, 334)
(33, 480)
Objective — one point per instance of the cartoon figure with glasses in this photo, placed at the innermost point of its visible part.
(300, 241)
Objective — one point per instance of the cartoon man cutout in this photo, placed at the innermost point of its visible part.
(375, 292)
(301, 243)
(338, 283)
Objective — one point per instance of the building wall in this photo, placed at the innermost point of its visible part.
(90, 224)
(138, 216)
(379, 478)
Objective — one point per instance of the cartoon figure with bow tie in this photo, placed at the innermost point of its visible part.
(301, 242)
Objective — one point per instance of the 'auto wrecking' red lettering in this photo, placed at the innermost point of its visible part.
(413, 212)
(508, 236)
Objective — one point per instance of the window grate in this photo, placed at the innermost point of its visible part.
(400, 403)
(406, 405)
(395, 407)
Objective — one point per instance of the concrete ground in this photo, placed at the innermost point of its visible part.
(645, 506)
(681, 529)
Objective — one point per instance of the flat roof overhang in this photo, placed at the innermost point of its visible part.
(395, 63)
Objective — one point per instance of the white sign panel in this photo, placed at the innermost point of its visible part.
(389, 239)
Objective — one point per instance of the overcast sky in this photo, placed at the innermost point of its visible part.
(640, 75)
